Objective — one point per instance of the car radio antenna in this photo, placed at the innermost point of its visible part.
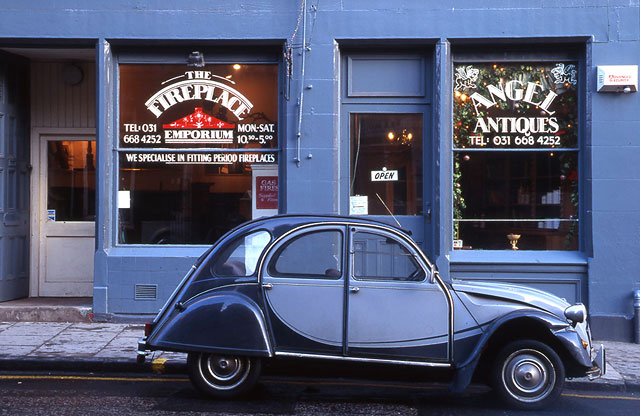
(389, 211)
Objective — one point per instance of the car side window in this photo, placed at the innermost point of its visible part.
(379, 257)
(313, 255)
(240, 257)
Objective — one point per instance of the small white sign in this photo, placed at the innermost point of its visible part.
(384, 175)
(359, 205)
(457, 243)
(124, 199)
(51, 215)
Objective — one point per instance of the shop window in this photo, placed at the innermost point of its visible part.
(197, 150)
(515, 156)
(386, 164)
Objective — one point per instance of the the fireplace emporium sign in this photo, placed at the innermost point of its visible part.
(198, 110)
(515, 105)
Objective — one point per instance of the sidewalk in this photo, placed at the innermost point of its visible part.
(63, 346)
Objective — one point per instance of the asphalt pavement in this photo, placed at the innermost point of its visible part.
(111, 347)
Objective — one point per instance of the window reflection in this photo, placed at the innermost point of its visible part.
(377, 257)
(178, 204)
(293, 259)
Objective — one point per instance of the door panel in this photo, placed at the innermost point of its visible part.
(394, 310)
(312, 309)
(14, 178)
(67, 227)
(304, 291)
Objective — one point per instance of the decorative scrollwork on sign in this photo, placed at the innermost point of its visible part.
(565, 74)
(466, 77)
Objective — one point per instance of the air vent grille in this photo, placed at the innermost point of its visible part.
(146, 292)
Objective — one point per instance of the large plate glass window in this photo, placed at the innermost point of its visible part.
(515, 155)
(197, 150)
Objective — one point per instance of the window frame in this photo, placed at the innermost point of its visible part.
(536, 53)
(415, 258)
(277, 250)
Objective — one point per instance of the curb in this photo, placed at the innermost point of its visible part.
(92, 365)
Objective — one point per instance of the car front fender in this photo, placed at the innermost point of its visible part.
(465, 369)
(225, 322)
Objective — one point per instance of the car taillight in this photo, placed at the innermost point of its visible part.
(147, 329)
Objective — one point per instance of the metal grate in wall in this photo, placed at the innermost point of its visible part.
(146, 292)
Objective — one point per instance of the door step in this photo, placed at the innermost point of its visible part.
(47, 310)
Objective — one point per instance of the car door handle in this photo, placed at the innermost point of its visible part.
(267, 286)
(354, 289)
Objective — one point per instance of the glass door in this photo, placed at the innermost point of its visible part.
(67, 245)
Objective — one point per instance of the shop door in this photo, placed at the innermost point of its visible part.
(67, 227)
(14, 179)
(388, 170)
(386, 132)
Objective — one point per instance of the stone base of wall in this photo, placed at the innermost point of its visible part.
(612, 328)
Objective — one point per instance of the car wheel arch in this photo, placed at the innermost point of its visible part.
(183, 329)
(520, 328)
(529, 324)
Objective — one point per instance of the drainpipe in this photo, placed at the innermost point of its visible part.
(301, 99)
(636, 310)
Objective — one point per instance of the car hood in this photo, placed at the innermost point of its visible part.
(514, 293)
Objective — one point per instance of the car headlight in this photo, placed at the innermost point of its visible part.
(576, 313)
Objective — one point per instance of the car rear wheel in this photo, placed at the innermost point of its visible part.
(528, 375)
(222, 376)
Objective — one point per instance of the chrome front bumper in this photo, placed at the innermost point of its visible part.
(599, 364)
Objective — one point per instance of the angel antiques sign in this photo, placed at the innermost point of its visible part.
(515, 105)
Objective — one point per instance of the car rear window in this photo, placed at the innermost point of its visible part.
(240, 257)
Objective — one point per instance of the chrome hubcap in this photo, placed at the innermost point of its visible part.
(528, 375)
(223, 373)
(223, 368)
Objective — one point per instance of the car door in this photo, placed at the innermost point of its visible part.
(303, 284)
(395, 309)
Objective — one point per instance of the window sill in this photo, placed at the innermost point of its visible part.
(157, 251)
(517, 257)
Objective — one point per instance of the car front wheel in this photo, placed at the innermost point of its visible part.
(222, 376)
(528, 375)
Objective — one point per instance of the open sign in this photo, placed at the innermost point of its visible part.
(384, 175)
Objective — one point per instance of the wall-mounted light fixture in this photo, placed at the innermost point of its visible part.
(195, 59)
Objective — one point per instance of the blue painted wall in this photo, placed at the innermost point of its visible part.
(608, 31)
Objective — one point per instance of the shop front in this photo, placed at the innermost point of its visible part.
(196, 153)
(128, 149)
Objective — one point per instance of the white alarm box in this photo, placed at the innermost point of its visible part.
(617, 78)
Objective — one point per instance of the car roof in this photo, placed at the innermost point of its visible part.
(279, 224)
